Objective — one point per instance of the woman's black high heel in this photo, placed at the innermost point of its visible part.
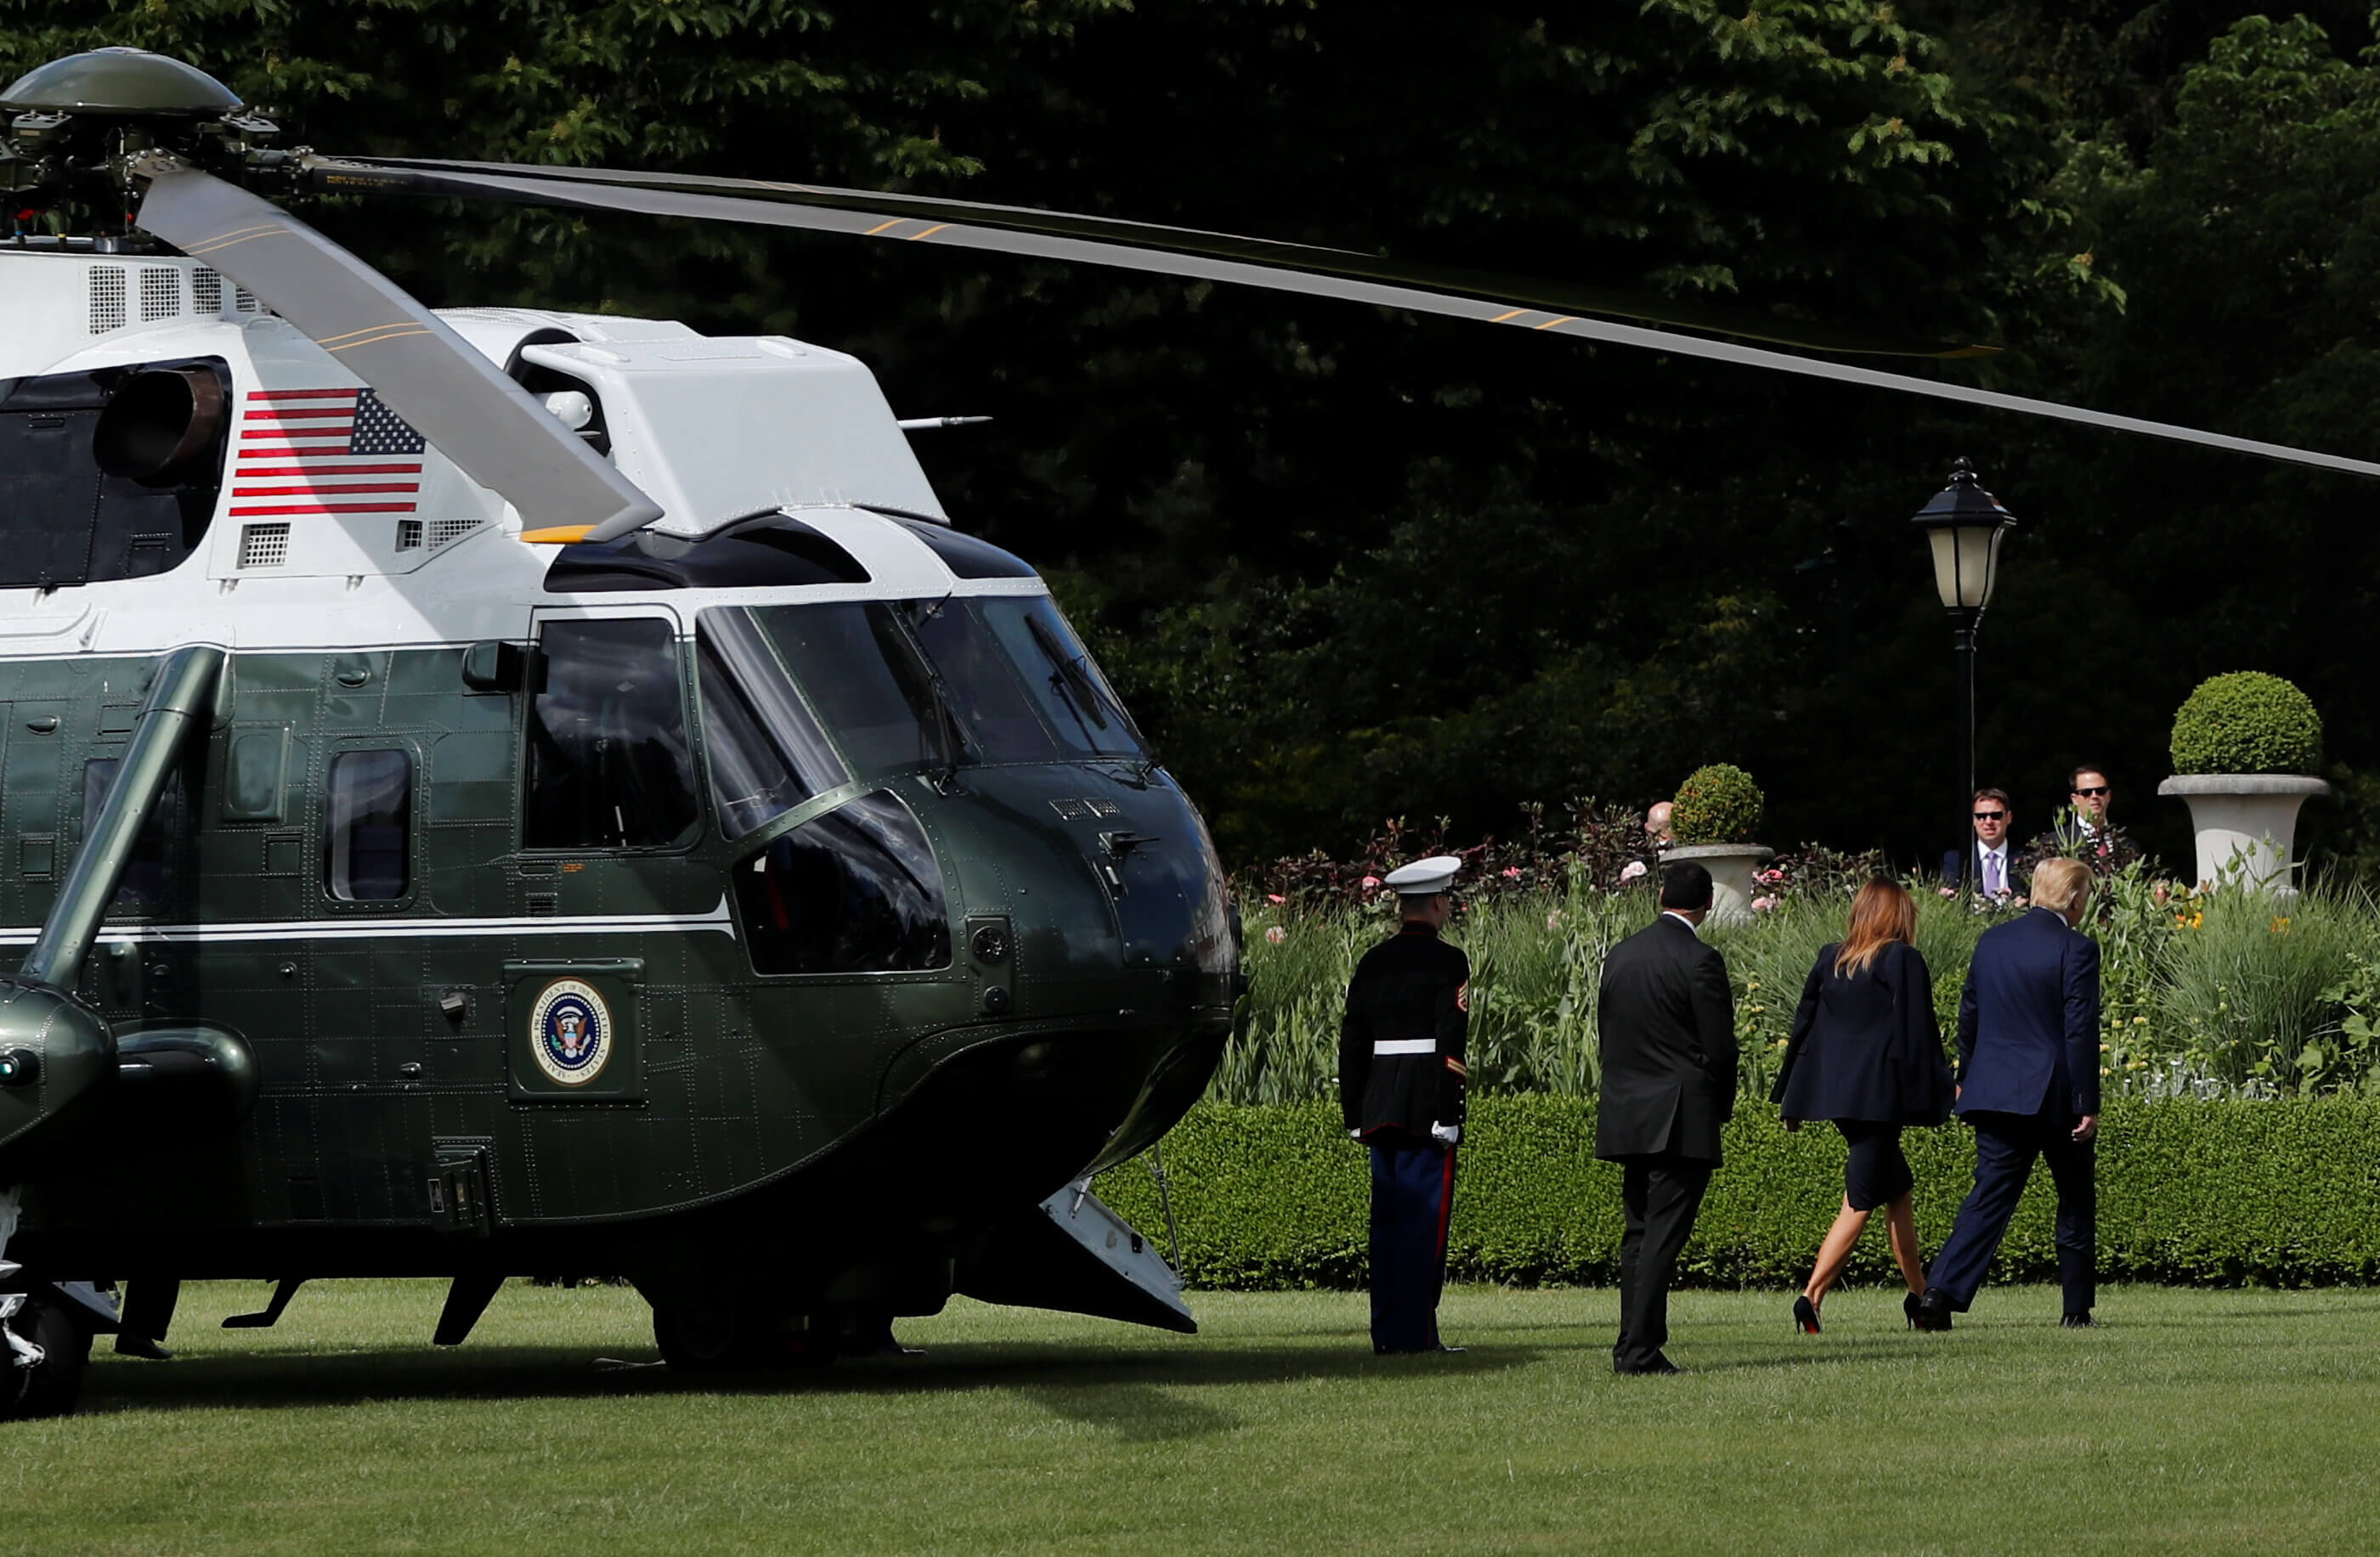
(1909, 1305)
(1805, 1315)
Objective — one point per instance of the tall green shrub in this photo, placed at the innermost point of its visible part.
(2247, 722)
(1718, 804)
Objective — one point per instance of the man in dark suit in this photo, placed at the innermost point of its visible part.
(1990, 863)
(1668, 1026)
(1401, 1093)
(2028, 1082)
(2082, 831)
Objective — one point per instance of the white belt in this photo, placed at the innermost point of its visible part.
(1404, 1046)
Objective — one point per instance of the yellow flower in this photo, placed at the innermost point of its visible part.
(2280, 927)
(2103, 1071)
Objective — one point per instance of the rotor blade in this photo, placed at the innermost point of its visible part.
(1559, 296)
(446, 391)
(450, 180)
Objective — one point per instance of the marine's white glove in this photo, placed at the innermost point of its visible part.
(1354, 1134)
(1449, 1134)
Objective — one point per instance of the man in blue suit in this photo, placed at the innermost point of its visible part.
(2029, 1083)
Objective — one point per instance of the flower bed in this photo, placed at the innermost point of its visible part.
(2203, 993)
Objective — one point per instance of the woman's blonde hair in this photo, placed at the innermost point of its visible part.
(1883, 912)
(2061, 885)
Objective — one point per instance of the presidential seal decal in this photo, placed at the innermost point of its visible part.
(570, 1032)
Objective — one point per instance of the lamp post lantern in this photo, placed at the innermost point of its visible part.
(1963, 525)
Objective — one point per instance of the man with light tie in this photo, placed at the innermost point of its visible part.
(1401, 1093)
(1993, 869)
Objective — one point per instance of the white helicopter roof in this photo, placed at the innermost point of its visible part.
(337, 524)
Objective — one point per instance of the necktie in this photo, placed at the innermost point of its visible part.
(1992, 874)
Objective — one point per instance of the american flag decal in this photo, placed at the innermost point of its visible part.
(323, 451)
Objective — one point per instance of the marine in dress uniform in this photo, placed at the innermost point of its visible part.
(1400, 1091)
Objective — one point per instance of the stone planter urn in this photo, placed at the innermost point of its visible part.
(1731, 865)
(2244, 823)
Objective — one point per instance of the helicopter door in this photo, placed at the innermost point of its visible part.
(609, 767)
(608, 808)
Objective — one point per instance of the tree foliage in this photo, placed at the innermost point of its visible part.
(1349, 565)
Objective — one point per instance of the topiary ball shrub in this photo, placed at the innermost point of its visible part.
(1719, 803)
(2247, 722)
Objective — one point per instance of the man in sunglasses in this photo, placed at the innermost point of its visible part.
(2084, 831)
(1992, 868)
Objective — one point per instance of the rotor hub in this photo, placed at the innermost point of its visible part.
(119, 83)
(78, 127)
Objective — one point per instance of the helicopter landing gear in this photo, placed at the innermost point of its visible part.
(709, 1338)
(859, 1331)
(42, 1354)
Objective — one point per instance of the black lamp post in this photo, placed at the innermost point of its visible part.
(1962, 525)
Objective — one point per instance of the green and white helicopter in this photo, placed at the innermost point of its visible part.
(493, 792)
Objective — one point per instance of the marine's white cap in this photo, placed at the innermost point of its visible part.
(1424, 878)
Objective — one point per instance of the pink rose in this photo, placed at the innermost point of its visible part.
(1512, 872)
(1632, 870)
(1275, 897)
(1276, 935)
(1762, 905)
(1370, 881)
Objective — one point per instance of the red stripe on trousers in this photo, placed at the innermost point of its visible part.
(1445, 1204)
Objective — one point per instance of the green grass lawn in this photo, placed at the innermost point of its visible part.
(2193, 1420)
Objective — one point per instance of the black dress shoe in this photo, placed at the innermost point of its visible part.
(1933, 1310)
(2078, 1321)
(1806, 1316)
(142, 1347)
(1659, 1365)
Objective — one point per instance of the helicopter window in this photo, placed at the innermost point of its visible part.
(609, 764)
(773, 549)
(964, 555)
(994, 705)
(367, 826)
(1076, 700)
(871, 685)
(142, 885)
(854, 891)
(767, 753)
(1016, 682)
(114, 470)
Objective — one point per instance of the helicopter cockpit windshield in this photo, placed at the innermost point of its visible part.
(897, 687)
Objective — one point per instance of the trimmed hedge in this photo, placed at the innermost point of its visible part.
(1718, 804)
(2247, 722)
(2199, 1193)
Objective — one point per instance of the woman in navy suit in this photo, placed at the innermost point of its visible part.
(1866, 1052)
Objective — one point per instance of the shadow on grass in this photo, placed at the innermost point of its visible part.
(1122, 1390)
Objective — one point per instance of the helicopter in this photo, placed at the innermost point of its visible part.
(498, 790)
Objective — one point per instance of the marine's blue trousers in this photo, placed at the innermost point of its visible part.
(1412, 1193)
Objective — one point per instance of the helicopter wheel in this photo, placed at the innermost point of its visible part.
(49, 1388)
(697, 1337)
(706, 1338)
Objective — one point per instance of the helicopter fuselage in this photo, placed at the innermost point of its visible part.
(775, 901)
